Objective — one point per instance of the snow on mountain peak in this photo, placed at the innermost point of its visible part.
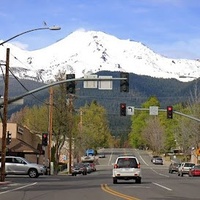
(84, 52)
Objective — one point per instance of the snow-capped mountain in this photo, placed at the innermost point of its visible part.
(87, 52)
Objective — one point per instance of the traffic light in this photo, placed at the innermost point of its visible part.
(122, 109)
(44, 139)
(71, 85)
(169, 112)
(9, 138)
(124, 84)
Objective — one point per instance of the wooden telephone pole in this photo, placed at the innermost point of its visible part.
(70, 133)
(4, 123)
(50, 126)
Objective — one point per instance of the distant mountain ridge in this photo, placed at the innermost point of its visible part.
(168, 92)
(88, 52)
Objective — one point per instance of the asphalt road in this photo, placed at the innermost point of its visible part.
(157, 183)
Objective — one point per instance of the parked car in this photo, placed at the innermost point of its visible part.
(173, 167)
(20, 166)
(158, 160)
(126, 168)
(185, 168)
(79, 168)
(194, 171)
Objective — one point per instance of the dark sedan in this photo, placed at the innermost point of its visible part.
(79, 168)
(158, 161)
(173, 167)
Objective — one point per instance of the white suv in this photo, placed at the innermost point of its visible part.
(127, 168)
(20, 166)
(184, 168)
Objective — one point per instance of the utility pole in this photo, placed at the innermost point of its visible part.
(81, 122)
(80, 126)
(5, 110)
(50, 126)
(70, 133)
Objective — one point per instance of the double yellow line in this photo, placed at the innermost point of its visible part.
(105, 188)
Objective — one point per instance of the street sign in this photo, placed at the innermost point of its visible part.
(18, 102)
(90, 84)
(153, 110)
(105, 85)
(130, 110)
(198, 152)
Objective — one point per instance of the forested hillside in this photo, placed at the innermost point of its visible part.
(168, 92)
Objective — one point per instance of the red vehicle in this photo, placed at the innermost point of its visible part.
(92, 165)
(194, 171)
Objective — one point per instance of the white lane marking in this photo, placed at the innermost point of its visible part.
(110, 158)
(159, 173)
(144, 161)
(18, 188)
(162, 186)
(152, 168)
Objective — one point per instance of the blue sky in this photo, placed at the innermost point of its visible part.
(168, 27)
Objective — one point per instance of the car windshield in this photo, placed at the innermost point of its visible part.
(189, 164)
(79, 165)
(155, 156)
(176, 164)
(127, 163)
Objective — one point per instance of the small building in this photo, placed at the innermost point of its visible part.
(24, 143)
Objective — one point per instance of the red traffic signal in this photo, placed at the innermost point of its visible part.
(122, 109)
(169, 112)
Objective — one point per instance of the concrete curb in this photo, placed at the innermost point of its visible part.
(5, 183)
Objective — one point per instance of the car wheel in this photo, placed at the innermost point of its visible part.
(138, 180)
(114, 181)
(33, 173)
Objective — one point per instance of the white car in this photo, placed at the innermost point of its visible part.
(126, 168)
(184, 168)
(20, 166)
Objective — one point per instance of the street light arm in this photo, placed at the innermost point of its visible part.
(54, 28)
(54, 84)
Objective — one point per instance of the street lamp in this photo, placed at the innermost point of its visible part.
(5, 103)
(52, 28)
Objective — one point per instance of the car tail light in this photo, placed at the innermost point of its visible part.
(115, 166)
(138, 166)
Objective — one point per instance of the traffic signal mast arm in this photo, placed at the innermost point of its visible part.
(176, 112)
(188, 116)
(57, 83)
